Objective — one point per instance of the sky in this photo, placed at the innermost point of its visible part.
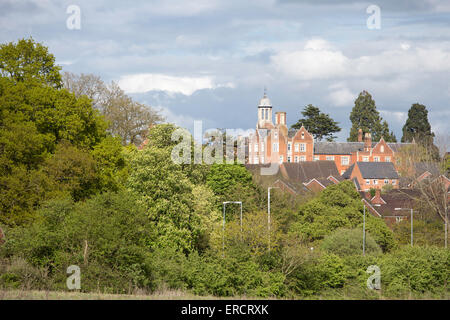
(210, 60)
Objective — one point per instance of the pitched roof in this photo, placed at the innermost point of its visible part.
(348, 172)
(298, 173)
(323, 147)
(377, 170)
(305, 171)
(395, 199)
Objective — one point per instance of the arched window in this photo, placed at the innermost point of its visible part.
(267, 114)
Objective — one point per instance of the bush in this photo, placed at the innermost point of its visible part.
(345, 242)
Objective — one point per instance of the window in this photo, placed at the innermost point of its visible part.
(366, 159)
(296, 147)
(303, 135)
(281, 159)
(387, 159)
(262, 159)
(316, 158)
(367, 181)
(289, 159)
(382, 149)
(296, 158)
(302, 158)
(386, 181)
(256, 147)
(275, 134)
(275, 147)
(289, 146)
(302, 147)
(255, 160)
(376, 159)
(262, 114)
(375, 181)
(262, 147)
(330, 158)
(345, 161)
(267, 114)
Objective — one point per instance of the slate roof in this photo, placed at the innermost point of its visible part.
(295, 174)
(396, 198)
(306, 170)
(348, 172)
(323, 147)
(377, 170)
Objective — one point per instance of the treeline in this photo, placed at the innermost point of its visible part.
(72, 194)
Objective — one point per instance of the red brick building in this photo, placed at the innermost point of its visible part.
(274, 142)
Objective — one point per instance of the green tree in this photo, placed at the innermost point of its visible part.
(418, 128)
(319, 124)
(365, 116)
(339, 206)
(171, 196)
(28, 60)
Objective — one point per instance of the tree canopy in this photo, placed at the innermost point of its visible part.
(365, 116)
(319, 124)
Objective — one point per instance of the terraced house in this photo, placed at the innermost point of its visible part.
(274, 142)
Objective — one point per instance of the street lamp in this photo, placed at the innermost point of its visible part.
(364, 231)
(268, 210)
(398, 209)
(223, 226)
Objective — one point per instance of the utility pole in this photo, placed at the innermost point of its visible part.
(223, 225)
(364, 231)
(268, 210)
(412, 223)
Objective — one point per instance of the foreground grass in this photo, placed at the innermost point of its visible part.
(62, 295)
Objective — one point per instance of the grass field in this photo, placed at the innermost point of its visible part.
(62, 295)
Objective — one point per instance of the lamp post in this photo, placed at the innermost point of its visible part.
(364, 230)
(223, 226)
(412, 227)
(268, 210)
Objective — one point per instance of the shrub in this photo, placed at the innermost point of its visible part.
(348, 242)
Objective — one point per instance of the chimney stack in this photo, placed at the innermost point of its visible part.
(367, 141)
(360, 135)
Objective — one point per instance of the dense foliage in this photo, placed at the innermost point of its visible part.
(133, 220)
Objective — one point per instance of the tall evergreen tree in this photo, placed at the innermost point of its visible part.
(319, 124)
(417, 126)
(365, 115)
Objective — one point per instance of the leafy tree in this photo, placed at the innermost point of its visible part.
(171, 198)
(127, 118)
(28, 60)
(365, 116)
(319, 124)
(73, 169)
(339, 206)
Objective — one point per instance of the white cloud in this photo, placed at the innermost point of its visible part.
(319, 60)
(341, 96)
(145, 82)
(398, 116)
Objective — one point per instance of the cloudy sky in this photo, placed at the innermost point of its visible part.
(210, 59)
